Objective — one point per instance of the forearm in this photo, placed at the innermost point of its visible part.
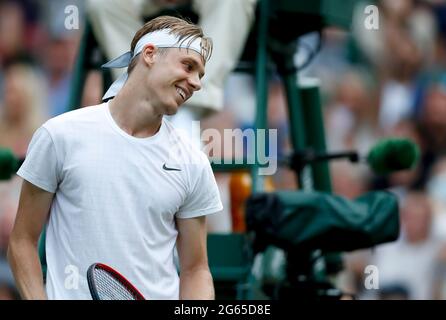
(25, 264)
(197, 285)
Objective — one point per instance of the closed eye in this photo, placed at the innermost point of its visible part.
(188, 66)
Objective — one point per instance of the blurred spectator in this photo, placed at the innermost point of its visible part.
(414, 263)
(22, 109)
(12, 32)
(351, 117)
(7, 286)
(21, 114)
(436, 189)
(58, 51)
(401, 62)
(433, 118)
(404, 43)
(348, 179)
(58, 62)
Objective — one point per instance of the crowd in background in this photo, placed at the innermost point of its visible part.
(374, 84)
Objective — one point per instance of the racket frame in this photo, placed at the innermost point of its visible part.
(113, 273)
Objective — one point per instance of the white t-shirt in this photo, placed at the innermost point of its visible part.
(116, 199)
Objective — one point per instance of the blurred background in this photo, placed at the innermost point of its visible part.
(374, 84)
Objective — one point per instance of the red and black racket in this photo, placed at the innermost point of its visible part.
(105, 283)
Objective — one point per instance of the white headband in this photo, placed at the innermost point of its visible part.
(160, 38)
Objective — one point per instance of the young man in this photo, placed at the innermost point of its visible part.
(119, 185)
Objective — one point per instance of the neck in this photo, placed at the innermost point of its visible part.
(134, 113)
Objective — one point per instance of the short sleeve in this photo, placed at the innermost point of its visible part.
(204, 198)
(41, 167)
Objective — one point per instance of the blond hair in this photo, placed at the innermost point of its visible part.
(184, 29)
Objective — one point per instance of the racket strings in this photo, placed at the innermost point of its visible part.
(110, 288)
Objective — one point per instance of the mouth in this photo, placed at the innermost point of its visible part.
(182, 93)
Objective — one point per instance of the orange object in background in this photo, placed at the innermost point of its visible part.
(240, 187)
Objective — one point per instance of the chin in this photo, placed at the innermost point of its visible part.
(170, 111)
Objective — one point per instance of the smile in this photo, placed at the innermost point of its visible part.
(181, 92)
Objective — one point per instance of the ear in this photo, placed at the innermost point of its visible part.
(148, 54)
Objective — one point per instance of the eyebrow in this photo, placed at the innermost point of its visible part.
(196, 65)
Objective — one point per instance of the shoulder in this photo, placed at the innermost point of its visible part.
(69, 120)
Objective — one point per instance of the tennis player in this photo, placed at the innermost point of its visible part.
(118, 184)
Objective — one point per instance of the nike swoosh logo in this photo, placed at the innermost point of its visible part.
(170, 169)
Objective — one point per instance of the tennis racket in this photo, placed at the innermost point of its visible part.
(105, 283)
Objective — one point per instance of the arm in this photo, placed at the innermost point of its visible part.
(23, 256)
(195, 277)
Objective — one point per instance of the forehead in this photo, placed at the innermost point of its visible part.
(183, 53)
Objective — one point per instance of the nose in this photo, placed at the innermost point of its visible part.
(195, 81)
